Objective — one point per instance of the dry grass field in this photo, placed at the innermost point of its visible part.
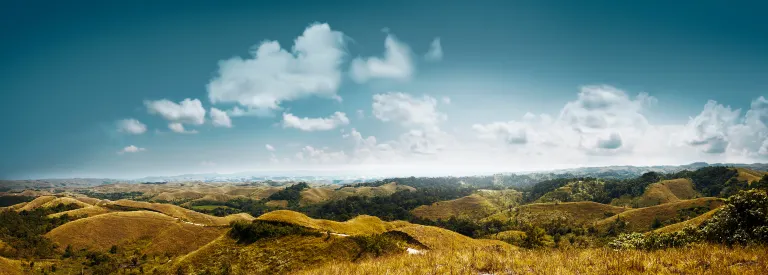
(578, 212)
(641, 219)
(10, 266)
(476, 206)
(173, 211)
(695, 222)
(321, 194)
(698, 259)
(87, 211)
(667, 191)
(749, 175)
(360, 225)
(151, 232)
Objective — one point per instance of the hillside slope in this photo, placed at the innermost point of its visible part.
(642, 219)
(151, 232)
(667, 191)
(749, 175)
(176, 212)
(475, 206)
(585, 212)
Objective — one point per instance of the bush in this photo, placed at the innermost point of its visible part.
(245, 232)
(377, 244)
(743, 220)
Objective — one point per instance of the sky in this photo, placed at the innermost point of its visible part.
(127, 89)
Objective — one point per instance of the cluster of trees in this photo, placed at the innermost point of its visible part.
(742, 221)
(23, 231)
(134, 195)
(11, 200)
(292, 194)
(249, 232)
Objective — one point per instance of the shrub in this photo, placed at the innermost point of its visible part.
(377, 244)
(245, 232)
(743, 220)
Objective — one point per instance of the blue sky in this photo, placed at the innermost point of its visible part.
(96, 90)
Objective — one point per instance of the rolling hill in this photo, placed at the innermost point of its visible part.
(322, 194)
(475, 206)
(585, 212)
(667, 191)
(176, 212)
(641, 219)
(150, 232)
(749, 175)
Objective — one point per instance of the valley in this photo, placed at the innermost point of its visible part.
(652, 223)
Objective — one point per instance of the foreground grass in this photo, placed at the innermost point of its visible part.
(698, 259)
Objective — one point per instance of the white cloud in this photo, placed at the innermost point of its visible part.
(131, 149)
(435, 52)
(321, 156)
(396, 63)
(179, 128)
(131, 126)
(315, 124)
(274, 75)
(269, 148)
(188, 111)
(220, 118)
(207, 163)
(239, 112)
(709, 130)
(446, 100)
(360, 114)
(407, 110)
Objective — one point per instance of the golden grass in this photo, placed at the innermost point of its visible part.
(64, 200)
(37, 202)
(695, 222)
(360, 225)
(667, 191)
(277, 203)
(10, 267)
(82, 212)
(283, 255)
(151, 232)
(699, 259)
(583, 212)
(175, 211)
(473, 207)
(182, 195)
(641, 219)
(476, 206)
(749, 175)
(316, 195)
(89, 200)
(436, 238)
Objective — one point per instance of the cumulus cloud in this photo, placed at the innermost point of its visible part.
(179, 128)
(131, 149)
(511, 132)
(131, 126)
(395, 64)
(709, 130)
(269, 148)
(360, 114)
(188, 111)
(315, 124)
(321, 156)
(220, 118)
(613, 141)
(409, 111)
(435, 52)
(273, 75)
(446, 100)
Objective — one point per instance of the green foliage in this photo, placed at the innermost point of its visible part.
(578, 190)
(11, 200)
(377, 245)
(743, 220)
(711, 181)
(653, 241)
(534, 237)
(292, 194)
(631, 187)
(24, 230)
(249, 232)
(135, 195)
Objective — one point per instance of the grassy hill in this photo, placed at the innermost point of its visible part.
(174, 211)
(325, 193)
(667, 191)
(585, 212)
(150, 232)
(10, 267)
(357, 239)
(475, 206)
(575, 191)
(749, 175)
(87, 211)
(695, 222)
(642, 219)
